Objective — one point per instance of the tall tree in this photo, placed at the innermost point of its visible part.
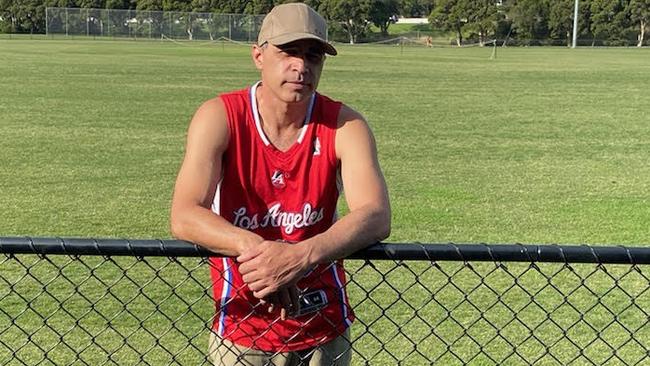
(8, 16)
(261, 6)
(24, 16)
(210, 24)
(63, 3)
(149, 5)
(560, 19)
(451, 15)
(639, 12)
(530, 19)
(608, 21)
(184, 16)
(176, 5)
(351, 15)
(231, 6)
(203, 6)
(120, 4)
(416, 8)
(91, 4)
(5, 16)
(482, 18)
(381, 12)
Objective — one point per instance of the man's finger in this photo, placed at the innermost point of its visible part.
(258, 287)
(288, 307)
(294, 294)
(261, 292)
(250, 277)
(249, 254)
(271, 301)
(245, 267)
(285, 298)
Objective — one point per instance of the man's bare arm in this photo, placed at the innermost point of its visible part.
(365, 192)
(270, 265)
(191, 217)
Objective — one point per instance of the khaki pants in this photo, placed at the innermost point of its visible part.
(337, 352)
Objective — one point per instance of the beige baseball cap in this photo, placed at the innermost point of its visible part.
(290, 22)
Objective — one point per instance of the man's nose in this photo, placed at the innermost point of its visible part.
(299, 63)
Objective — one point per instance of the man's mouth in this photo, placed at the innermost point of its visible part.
(298, 84)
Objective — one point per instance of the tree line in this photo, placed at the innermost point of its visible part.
(350, 16)
(608, 22)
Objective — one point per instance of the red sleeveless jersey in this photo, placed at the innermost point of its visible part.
(288, 196)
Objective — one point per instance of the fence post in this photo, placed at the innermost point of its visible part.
(66, 22)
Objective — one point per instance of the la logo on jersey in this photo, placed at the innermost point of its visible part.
(277, 179)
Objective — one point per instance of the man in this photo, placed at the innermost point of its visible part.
(260, 182)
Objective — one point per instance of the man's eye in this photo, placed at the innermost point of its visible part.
(314, 57)
(290, 51)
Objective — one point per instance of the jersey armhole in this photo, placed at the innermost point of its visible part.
(229, 102)
(334, 127)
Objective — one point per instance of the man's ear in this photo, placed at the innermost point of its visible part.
(257, 53)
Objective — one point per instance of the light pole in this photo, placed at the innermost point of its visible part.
(575, 25)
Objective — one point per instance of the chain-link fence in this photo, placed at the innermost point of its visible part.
(118, 302)
(152, 24)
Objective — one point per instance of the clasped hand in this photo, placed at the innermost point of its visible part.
(271, 270)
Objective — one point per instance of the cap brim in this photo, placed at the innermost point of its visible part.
(288, 38)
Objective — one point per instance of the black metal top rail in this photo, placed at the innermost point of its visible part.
(394, 251)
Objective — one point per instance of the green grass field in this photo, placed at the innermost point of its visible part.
(540, 145)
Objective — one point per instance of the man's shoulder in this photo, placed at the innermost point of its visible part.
(240, 94)
(348, 114)
(344, 113)
(237, 103)
(326, 98)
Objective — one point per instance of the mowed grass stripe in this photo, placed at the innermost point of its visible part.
(539, 145)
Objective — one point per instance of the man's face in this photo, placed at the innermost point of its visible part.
(292, 70)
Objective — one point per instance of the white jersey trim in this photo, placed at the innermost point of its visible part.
(258, 123)
(342, 295)
(216, 201)
(225, 296)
